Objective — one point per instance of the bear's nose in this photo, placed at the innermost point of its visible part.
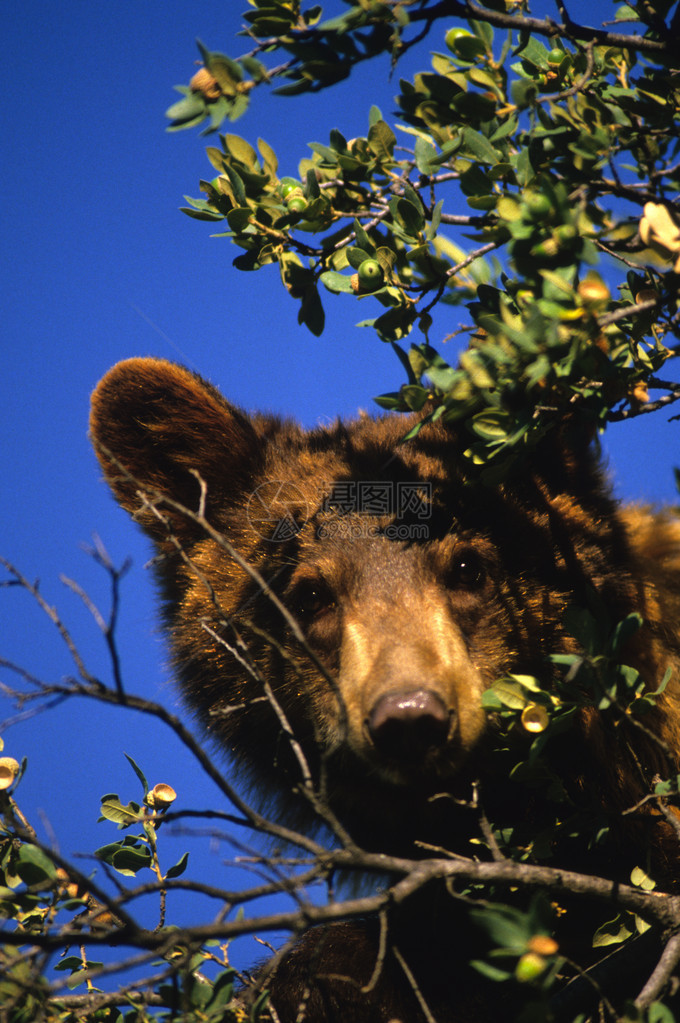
(404, 726)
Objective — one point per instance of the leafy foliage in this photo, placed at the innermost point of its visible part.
(529, 181)
(45, 899)
(57, 918)
(556, 146)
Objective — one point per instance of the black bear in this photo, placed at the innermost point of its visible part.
(337, 602)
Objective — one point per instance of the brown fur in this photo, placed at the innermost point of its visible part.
(436, 616)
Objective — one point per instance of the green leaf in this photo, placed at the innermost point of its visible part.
(523, 92)
(642, 880)
(222, 992)
(34, 867)
(528, 682)
(658, 1013)
(414, 396)
(509, 208)
(489, 971)
(441, 376)
(479, 146)
(363, 239)
(267, 26)
(138, 771)
(336, 282)
(490, 701)
(113, 810)
(311, 190)
(311, 312)
(328, 156)
(510, 694)
(357, 256)
(474, 181)
(507, 928)
(615, 931)
(201, 214)
(269, 157)
(382, 140)
(427, 158)
(178, 868)
(125, 859)
(237, 185)
(492, 425)
(80, 976)
(241, 150)
(70, 963)
(405, 360)
(624, 631)
(395, 324)
(626, 13)
(392, 401)
(469, 48)
(239, 218)
(408, 216)
(509, 127)
(190, 109)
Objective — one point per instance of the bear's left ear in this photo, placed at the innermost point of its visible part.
(154, 426)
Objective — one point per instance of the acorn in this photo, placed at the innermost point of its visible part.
(529, 967)
(646, 295)
(453, 35)
(69, 888)
(565, 233)
(288, 187)
(542, 945)
(548, 248)
(593, 291)
(639, 395)
(9, 769)
(204, 83)
(296, 203)
(370, 275)
(535, 718)
(160, 796)
(538, 205)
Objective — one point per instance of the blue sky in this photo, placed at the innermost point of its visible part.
(99, 266)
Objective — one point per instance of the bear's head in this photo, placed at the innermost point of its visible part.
(337, 601)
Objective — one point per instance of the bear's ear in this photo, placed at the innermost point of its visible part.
(154, 426)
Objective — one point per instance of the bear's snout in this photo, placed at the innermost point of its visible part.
(404, 726)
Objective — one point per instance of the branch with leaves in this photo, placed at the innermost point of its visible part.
(51, 905)
(560, 152)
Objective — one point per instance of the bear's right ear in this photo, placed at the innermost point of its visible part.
(154, 425)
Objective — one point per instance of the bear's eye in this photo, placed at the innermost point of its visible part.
(467, 571)
(311, 599)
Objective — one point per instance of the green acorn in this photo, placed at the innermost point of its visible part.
(288, 186)
(538, 205)
(565, 234)
(529, 967)
(453, 35)
(370, 275)
(296, 203)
